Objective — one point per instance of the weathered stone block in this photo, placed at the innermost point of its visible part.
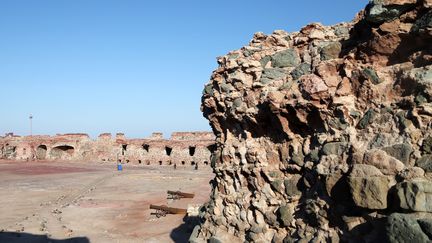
(379, 11)
(330, 50)
(291, 185)
(336, 148)
(367, 119)
(401, 152)
(402, 228)
(370, 192)
(425, 162)
(415, 195)
(271, 74)
(287, 58)
(285, 215)
(302, 69)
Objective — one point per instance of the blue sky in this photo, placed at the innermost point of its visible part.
(129, 66)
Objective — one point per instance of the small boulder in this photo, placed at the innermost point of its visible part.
(402, 228)
(381, 160)
(370, 192)
(425, 162)
(285, 215)
(401, 152)
(415, 195)
(286, 58)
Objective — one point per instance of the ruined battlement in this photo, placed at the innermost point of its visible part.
(182, 148)
(192, 136)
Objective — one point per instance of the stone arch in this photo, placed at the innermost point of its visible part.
(192, 150)
(62, 152)
(168, 150)
(41, 152)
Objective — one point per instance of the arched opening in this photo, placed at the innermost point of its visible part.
(192, 163)
(183, 163)
(9, 151)
(41, 152)
(206, 162)
(191, 150)
(168, 150)
(124, 148)
(146, 147)
(169, 162)
(139, 161)
(127, 161)
(62, 152)
(160, 162)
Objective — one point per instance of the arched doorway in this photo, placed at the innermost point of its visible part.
(41, 151)
(62, 152)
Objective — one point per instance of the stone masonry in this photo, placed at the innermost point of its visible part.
(325, 135)
(183, 148)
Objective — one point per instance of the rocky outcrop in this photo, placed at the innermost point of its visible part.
(324, 135)
(184, 148)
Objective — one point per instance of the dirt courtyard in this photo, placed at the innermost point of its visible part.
(93, 202)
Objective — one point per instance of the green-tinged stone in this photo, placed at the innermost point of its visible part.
(367, 119)
(265, 60)
(285, 215)
(370, 74)
(287, 58)
(302, 69)
(330, 50)
(226, 87)
(427, 145)
(208, 89)
(425, 162)
(277, 185)
(291, 186)
(271, 74)
(402, 228)
(233, 56)
(336, 148)
(377, 13)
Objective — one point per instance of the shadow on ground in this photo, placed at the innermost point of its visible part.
(14, 237)
(183, 232)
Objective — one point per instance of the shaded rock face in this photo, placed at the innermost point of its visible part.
(324, 133)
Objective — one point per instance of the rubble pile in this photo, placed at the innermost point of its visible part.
(324, 135)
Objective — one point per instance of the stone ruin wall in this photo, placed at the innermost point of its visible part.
(325, 135)
(184, 148)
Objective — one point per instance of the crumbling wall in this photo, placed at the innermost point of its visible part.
(324, 135)
(81, 147)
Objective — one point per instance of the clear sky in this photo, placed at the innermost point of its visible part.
(131, 66)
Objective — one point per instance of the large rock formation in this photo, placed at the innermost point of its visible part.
(324, 135)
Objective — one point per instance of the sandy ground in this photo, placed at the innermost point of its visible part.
(92, 202)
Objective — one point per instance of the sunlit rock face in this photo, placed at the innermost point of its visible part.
(324, 135)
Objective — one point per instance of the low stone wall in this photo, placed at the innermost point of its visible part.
(187, 148)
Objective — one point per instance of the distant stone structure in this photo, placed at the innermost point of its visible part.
(183, 148)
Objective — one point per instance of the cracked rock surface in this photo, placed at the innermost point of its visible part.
(324, 135)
